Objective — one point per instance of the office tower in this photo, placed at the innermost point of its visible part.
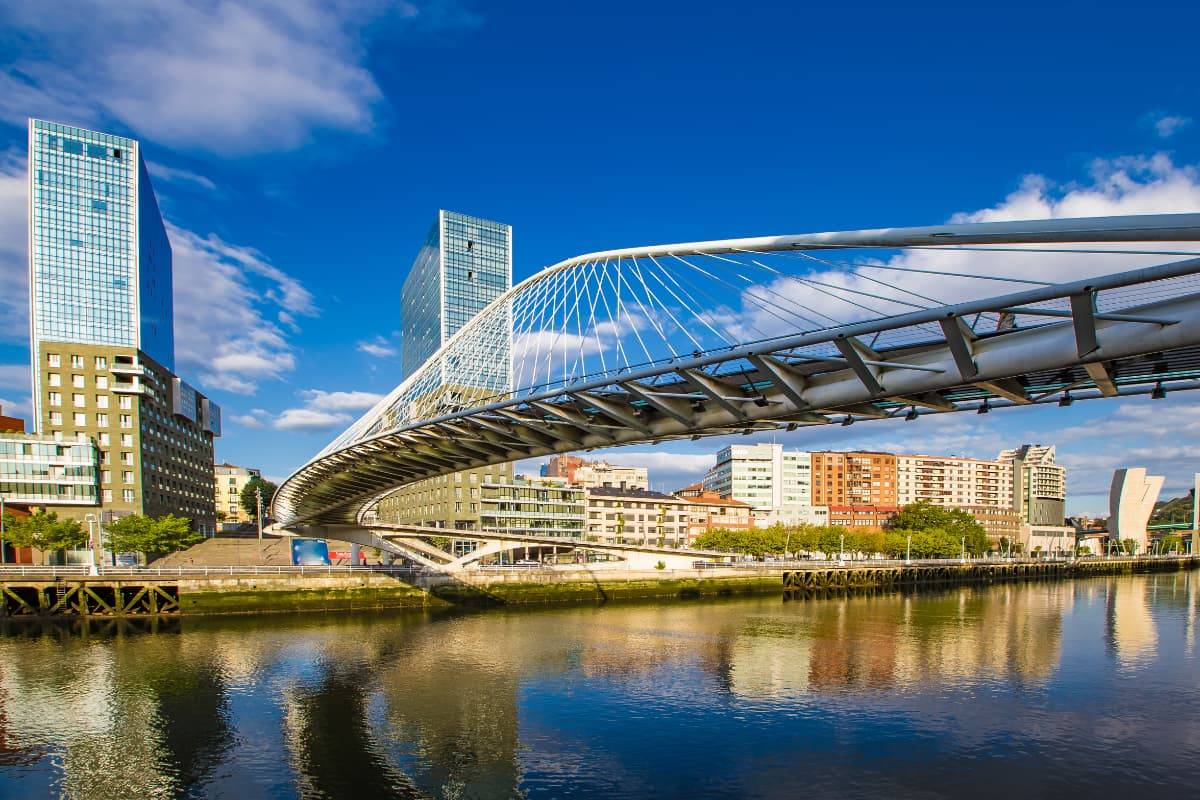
(464, 264)
(101, 326)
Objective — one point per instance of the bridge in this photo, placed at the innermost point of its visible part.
(682, 341)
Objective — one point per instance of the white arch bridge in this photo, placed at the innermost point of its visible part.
(680, 341)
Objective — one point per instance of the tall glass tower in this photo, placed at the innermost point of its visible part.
(99, 257)
(101, 322)
(464, 264)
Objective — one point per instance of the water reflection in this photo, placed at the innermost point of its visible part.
(597, 701)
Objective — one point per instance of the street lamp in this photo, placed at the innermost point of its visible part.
(3, 547)
(94, 569)
(964, 549)
(908, 551)
(842, 549)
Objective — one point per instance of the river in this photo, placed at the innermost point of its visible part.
(1087, 688)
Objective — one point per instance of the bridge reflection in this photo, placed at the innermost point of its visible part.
(462, 704)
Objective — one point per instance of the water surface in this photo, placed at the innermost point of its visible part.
(1086, 688)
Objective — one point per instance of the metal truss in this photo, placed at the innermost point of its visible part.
(1128, 332)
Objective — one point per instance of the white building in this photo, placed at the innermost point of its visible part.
(636, 516)
(762, 475)
(1130, 502)
(791, 515)
(953, 482)
(1039, 484)
(594, 474)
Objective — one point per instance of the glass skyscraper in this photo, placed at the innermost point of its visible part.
(464, 264)
(101, 321)
(99, 257)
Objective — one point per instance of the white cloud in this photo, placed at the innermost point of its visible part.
(14, 268)
(177, 175)
(1167, 125)
(225, 77)
(378, 347)
(225, 298)
(339, 401)
(256, 418)
(14, 377)
(310, 420)
(15, 408)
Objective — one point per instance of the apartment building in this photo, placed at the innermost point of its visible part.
(709, 511)
(762, 475)
(229, 480)
(854, 479)
(637, 516)
(1039, 484)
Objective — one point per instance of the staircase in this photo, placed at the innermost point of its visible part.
(222, 551)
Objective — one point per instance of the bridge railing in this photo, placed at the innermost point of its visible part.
(75, 571)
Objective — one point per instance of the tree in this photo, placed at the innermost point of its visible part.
(1170, 542)
(948, 522)
(248, 500)
(44, 531)
(138, 534)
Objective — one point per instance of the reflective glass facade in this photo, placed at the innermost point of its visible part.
(464, 264)
(38, 470)
(100, 260)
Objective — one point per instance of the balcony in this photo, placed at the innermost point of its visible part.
(118, 368)
(120, 387)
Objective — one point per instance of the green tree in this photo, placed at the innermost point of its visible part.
(248, 500)
(44, 531)
(952, 523)
(1170, 542)
(150, 535)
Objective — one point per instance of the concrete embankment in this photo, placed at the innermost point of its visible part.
(246, 593)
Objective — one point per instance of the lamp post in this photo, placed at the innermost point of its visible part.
(3, 546)
(908, 551)
(964, 549)
(842, 550)
(94, 568)
(258, 510)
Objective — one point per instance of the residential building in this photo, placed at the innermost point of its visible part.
(464, 264)
(101, 324)
(982, 488)
(854, 479)
(594, 474)
(636, 516)
(791, 515)
(47, 472)
(710, 511)
(762, 475)
(563, 466)
(533, 507)
(11, 424)
(229, 480)
(1039, 484)
(862, 516)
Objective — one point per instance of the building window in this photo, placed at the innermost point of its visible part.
(77, 381)
(106, 495)
(125, 402)
(126, 421)
(101, 362)
(56, 418)
(53, 359)
(127, 440)
(55, 399)
(102, 420)
(101, 401)
(78, 401)
(105, 476)
(127, 458)
(101, 382)
(55, 379)
(77, 362)
(127, 495)
(80, 420)
(104, 439)
(127, 476)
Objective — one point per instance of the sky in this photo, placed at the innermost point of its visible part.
(300, 150)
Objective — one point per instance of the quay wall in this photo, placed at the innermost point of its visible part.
(248, 593)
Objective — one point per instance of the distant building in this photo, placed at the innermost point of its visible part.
(588, 474)
(1131, 501)
(862, 517)
(709, 511)
(562, 466)
(1039, 484)
(761, 475)
(791, 515)
(102, 326)
(636, 516)
(229, 480)
(11, 424)
(533, 507)
(854, 479)
(984, 489)
(464, 264)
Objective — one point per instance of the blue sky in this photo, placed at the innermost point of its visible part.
(301, 149)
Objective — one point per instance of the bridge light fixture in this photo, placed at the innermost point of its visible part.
(985, 408)
(1066, 399)
(747, 432)
(849, 420)
(698, 405)
(1159, 392)
(912, 415)
(761, 402)
(791, 426)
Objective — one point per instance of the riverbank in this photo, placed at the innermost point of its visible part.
(136, 595)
